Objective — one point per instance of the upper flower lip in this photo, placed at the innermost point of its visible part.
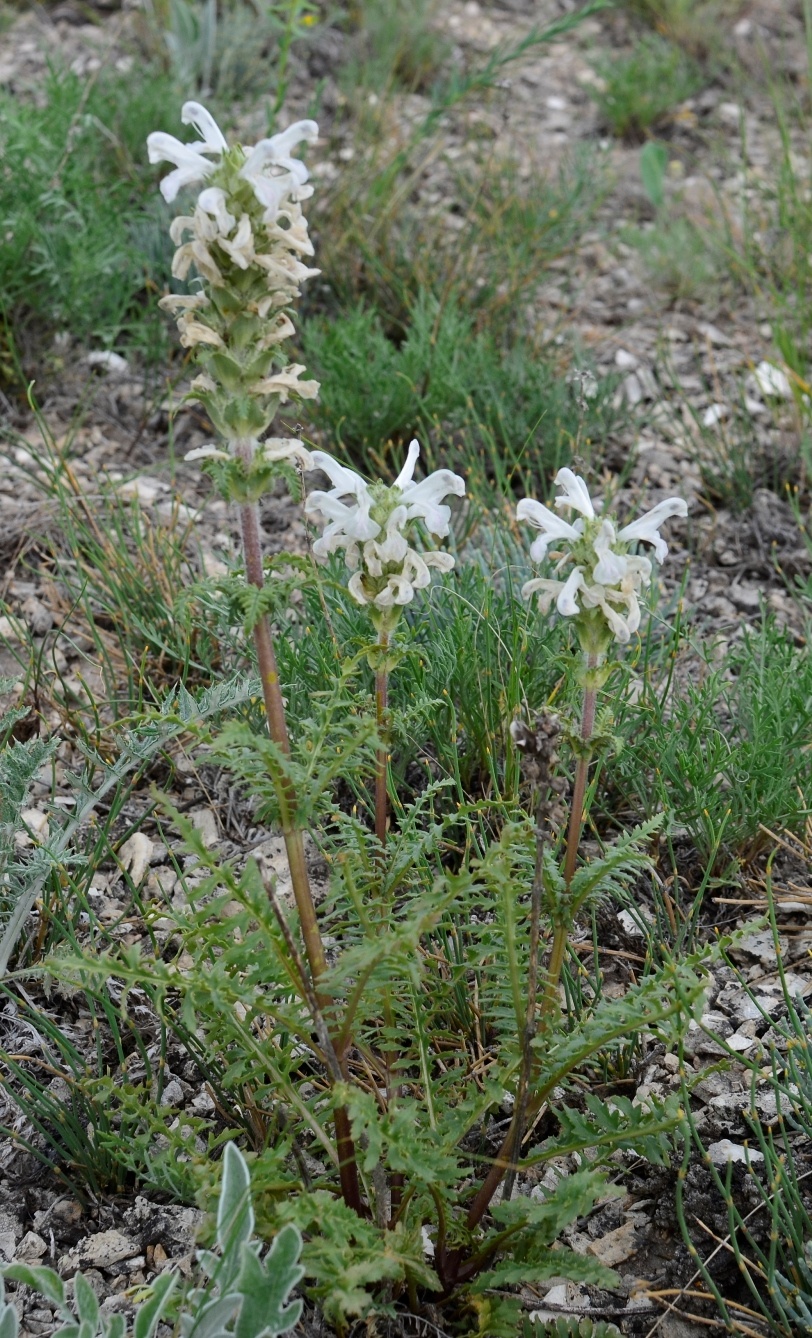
(576, 493)
(551, 526)
(646, 527)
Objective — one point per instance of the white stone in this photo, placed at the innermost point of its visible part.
(772, 382)
(12, 630)
(141, 489)
(716, 413)
(135, 856)
(626, 361)
(109, 362)
(724, 1151)
(739, 1042)
(38, 823)
(31, 1248)
(205, 822)
(616, 1246)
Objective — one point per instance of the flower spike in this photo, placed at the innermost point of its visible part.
(602, 587)
(371, 522)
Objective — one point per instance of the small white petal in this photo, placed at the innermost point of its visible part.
(356, 588)
(212, 201)
(192, 113)
(407, 472)
(344, 480)
(565, 603)
(207, 453)
(551, 526)
(646, 529)
(611, 567)
(576, 493)
(282, 448)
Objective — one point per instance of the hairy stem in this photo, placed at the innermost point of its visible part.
(561, 931)
(293, 836)
(382, 755)
(526, 1107)
(381, 823)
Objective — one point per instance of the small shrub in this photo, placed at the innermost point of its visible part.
(639, 90)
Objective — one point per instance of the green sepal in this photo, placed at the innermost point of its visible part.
(227, 302)
(259, 366)
(245, 328)
(245, 416)
(227, 371)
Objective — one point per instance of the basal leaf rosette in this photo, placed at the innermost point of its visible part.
(244, 242)
(374, 525)
(597, 578)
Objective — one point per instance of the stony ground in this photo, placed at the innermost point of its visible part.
(686, 367)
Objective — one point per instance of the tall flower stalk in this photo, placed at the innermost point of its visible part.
(246, 239)
(373, 524)
(597, 581)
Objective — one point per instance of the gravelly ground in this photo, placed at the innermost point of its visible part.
(680, 364)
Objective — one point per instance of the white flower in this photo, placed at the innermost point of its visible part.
(191, 166)
(604, 575)
(576, 493)
(271, 170)
(422, 499)
(551, 526)
(648, 526)
(387, 570)
(269, 167)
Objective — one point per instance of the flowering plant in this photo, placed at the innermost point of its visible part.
(601, 572)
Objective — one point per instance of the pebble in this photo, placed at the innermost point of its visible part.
(142, 489)
(31, 1248)
(100, 1251)
(772, 382)
(39, 618)
(135, 855)
(613, 1248)
(724, 1151)
(204, 821)
(108, 362)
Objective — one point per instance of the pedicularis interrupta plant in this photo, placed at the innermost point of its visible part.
(438, 1006)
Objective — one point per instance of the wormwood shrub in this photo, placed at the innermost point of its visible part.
(76, 254)
(640, 89)
(507, 414)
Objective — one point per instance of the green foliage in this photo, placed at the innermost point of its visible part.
(653, 165)
(84, 1319)
(230, 52)
(574, 1328)
(394, 47)
(699, 26)
(641, 89)
(24, 879)
(503, 414)
(771, 1243)
(687, 258)
(242, 1294)
(124, 575)
(726, 751)
(84, 230)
